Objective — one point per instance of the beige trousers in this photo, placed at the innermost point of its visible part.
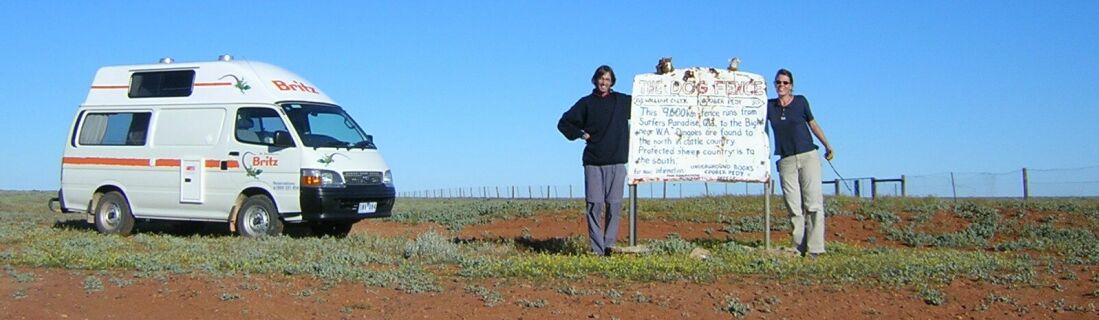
(801, 188)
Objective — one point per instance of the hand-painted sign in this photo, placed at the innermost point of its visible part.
(699, 124)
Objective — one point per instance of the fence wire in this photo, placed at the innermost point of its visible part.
(1061, 182)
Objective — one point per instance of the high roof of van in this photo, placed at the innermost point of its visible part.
(211, 82)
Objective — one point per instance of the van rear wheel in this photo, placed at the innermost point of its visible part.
(113, 216)
(258, 217)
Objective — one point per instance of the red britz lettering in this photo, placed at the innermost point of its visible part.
(281, 85)
(265, 162)
(293, 86)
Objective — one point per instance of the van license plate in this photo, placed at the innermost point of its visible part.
(368, 207)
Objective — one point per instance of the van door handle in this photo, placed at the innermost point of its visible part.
(234, 153)
(187, 180)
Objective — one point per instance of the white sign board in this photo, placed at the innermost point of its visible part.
(699, 124)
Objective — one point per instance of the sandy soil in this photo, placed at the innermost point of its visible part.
(60, 294)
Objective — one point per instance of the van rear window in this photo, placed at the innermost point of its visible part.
(114, 129)
(161, 84)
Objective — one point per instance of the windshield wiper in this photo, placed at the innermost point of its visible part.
(335, 144)
(365, 144)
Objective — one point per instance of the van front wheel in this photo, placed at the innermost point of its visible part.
(258, 218)
(113, 216)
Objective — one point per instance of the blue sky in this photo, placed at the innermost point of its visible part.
(468, 93)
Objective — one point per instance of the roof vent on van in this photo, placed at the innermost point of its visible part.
(166, 60)
(225, 57)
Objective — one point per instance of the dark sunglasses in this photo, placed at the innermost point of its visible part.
(782, 82)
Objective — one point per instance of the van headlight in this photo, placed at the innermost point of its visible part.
(321, 178)
(387, 178)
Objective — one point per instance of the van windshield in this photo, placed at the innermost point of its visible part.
(326, 126)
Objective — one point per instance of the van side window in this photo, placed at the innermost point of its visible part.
(161, 84)
(258, 125)
(114, 129)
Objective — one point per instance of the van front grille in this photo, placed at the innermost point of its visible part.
(362, 178)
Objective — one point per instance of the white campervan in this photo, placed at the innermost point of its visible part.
(234, 141)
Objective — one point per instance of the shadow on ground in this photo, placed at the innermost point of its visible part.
(181, 228)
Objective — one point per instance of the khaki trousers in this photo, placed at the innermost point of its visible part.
(801, 188)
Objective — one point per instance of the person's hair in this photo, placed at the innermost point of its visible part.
(603, 69)
(784, 72)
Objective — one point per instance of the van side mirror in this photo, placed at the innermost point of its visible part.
(283, 140)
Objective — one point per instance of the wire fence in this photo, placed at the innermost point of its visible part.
(1022, 183)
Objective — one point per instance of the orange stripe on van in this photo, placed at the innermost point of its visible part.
(230, 164)
(217, 164)
(106, 161)
(167, 162)
(111, 87)
(212, 84)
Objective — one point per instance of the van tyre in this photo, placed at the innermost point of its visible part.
(332, 229)
(113, 216)
(257, 218)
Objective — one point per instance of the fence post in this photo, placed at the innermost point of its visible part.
(836, 184)
(665, 196)
(873, 188)
(570, 191)
(904, 186)
(954, 190)
(858, 193)
(1026, 185)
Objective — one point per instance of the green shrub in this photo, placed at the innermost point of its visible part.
(229, 296)
(92, 284)
(433, 248)
(673, 245)
(736, 308)
(489, 297)
(932, 296)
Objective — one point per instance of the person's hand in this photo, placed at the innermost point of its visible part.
(586, 136)
(829, 154)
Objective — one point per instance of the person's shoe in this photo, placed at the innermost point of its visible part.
(607, 252)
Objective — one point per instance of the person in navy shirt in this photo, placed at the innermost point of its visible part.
(791, 120)
(601, 120)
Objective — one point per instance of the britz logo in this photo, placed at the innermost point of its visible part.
(293, 86)
(264, 161)
(253, 162)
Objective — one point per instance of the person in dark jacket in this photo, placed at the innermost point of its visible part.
(601, 120)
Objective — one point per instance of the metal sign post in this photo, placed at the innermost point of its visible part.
(633, 215)
(767, 215)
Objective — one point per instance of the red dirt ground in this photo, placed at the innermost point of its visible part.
(60, 294)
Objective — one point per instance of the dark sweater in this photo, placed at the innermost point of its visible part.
(606, 119)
